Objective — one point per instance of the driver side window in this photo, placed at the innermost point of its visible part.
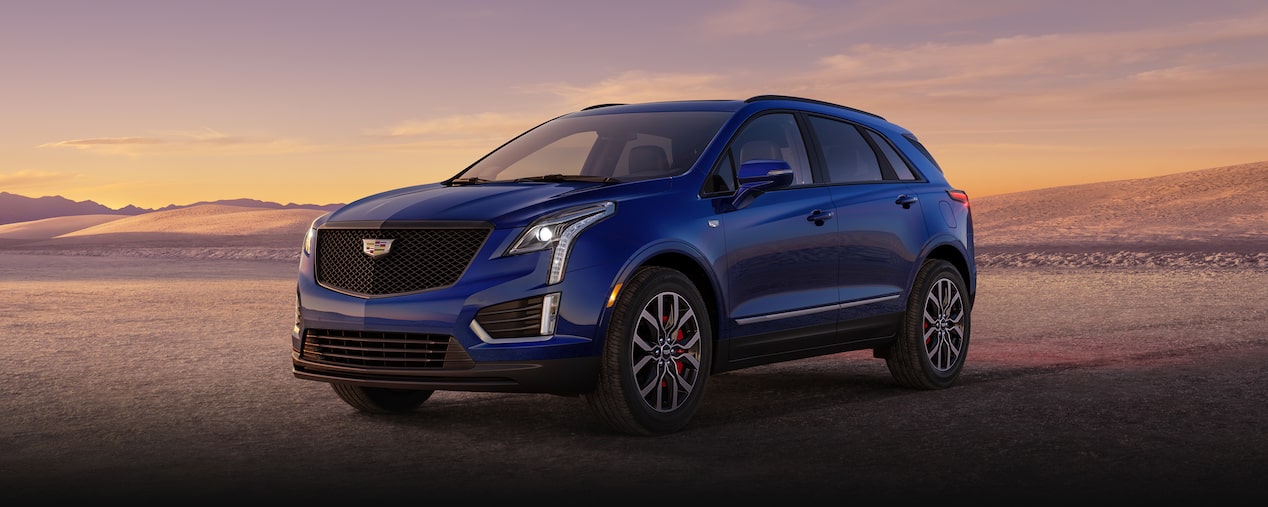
(769, 137)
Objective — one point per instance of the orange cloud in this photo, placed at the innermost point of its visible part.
(206, 140)
(28, 178)
(640, 86)
(480, 125)
(103, 141)
(1055, 71)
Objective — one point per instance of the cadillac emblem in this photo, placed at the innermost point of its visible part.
(376, 247)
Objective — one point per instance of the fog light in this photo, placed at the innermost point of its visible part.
(299, 315)
(550, 309)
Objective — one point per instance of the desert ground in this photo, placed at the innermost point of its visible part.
(1119, 352)
(162, 379)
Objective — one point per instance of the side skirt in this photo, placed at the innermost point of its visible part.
(800, 343)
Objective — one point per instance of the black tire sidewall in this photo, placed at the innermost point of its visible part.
(643, 287)
(910, 347)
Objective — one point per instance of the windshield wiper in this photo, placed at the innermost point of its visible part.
(569, 177)
(474, 180)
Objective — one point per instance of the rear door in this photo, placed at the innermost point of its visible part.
(880, 224)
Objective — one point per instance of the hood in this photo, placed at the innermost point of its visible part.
(492, 202)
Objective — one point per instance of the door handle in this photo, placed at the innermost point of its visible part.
(906, 200)
(818, 216)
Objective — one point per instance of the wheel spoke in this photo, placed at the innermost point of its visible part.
(943, 320)
(691, 342)
(944, 354)
(952, 304)
(690, 358)
(643, 342)
(672, 322)
(682, 321)
(665, 353)
(652, 383)
(642, 363)
(953, 346)
(684, 384)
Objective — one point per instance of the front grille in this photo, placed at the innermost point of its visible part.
(384, 350)
(513, 319)
(419, 259)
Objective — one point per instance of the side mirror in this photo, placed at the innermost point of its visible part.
(759, 176)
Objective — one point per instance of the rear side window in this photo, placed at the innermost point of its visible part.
(847, 154)
(901, 169)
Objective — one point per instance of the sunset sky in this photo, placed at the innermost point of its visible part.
(174, 102)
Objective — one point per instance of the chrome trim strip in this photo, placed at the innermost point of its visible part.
(862, 302)
(808, 311)
(484, 336)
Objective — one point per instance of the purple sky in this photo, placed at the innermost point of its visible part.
(155, 103)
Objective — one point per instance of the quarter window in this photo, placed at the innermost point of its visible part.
(900, 166)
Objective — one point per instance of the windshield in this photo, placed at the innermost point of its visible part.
(605, 147)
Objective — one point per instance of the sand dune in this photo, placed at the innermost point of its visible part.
(209, 219)
(210, 231)
(1214, 217)
(53, 227)
(1219, 205)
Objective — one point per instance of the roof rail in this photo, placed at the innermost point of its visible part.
(812, 101)
(596, 106)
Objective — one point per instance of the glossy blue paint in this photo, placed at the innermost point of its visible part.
(812, 259)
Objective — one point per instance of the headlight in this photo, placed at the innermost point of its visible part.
(557, 231)
(310, 238)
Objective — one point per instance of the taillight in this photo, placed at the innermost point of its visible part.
(959, 196)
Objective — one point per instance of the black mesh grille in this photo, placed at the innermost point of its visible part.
(515, 319)
(384, 350)
(419, 259)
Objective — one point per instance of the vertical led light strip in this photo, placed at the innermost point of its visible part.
(550, 309)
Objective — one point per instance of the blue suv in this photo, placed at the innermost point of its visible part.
(625, 253)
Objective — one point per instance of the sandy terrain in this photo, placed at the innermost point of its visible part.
(215, 219)
(1119, 353)
(157, 379)
(209, 231)
(1223, 204)
(53, 227)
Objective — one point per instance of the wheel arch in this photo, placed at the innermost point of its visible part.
(686, 260)
(698, 276)
(956, 257)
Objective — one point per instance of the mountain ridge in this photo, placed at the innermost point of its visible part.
(15, 208)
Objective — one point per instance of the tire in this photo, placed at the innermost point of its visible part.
(377, 400)
(656, 357)
(933, 341)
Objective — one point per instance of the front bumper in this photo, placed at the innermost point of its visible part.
(427, 340)
(558, 376)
